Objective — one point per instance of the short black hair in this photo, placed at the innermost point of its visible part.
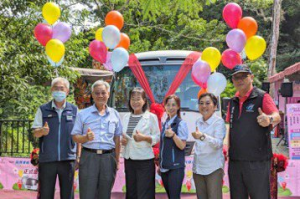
(213, 98)
(143, 93)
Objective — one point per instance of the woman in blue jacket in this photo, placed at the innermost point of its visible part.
(172, 144)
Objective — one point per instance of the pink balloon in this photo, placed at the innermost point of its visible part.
(108, 64)
(232, 13)
(231, 58)
(98, 51)
(236, 40)
(203, 85)
(43, 33)
(200, 72)
(62, 31)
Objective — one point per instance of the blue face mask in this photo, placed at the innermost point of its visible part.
(59, 96)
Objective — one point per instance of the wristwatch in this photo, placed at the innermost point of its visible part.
(202, 137)
(271, 120)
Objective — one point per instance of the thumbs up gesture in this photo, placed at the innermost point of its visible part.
(169, 132)
(90, 135)
(263, 119)
(197, 134)
(124, 140)
(45, 129)
(138, 137)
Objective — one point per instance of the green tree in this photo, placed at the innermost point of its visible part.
(25, 72)
(289, 38)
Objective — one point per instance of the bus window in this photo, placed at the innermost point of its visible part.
(160, 77)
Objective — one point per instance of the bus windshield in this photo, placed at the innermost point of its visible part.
(160, 77)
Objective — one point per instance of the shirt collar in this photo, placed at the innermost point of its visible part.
(209, 121)
(237, 94)
(53, 105)
(94, 109)
(170, 121)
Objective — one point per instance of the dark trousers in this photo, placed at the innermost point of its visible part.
(172, 181)
(97, 174)
(140, 179)
(47, 177)
(249, 179)
(209, 186)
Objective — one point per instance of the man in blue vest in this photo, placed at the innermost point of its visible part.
(251, 114)
(53, 124)
(98, 128)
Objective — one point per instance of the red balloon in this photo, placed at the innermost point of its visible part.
(98, 51)
(232, 13)
(43, 33)
(230, 58)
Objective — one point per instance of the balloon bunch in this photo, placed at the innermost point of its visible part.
(53, 37)
(201, 72)
(242, 36)
(110, 37)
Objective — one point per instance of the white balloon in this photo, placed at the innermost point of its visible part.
(111, 36)
(119, 59)
(216, 83)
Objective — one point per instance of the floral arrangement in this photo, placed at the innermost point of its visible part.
(279, 162)
(158, 110)
(34, 156)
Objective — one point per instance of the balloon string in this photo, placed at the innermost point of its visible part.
(56, 72)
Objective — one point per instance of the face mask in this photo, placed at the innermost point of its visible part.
(59, 96)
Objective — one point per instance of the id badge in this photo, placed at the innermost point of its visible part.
(69, 117)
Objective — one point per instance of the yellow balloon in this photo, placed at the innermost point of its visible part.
(212, 56)
(255, 47)
(55, 49)
(51, 12)
(98, 34)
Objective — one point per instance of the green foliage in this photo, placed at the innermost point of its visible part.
(24, 68)
(289, 38)
(151, 25)
(229, 90)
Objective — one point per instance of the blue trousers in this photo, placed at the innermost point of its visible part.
(172, 181)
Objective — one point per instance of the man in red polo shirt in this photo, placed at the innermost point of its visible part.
(251, 114)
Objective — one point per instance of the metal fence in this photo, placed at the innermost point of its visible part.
(16, 138)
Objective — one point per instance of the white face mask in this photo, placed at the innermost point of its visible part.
(59, 96)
